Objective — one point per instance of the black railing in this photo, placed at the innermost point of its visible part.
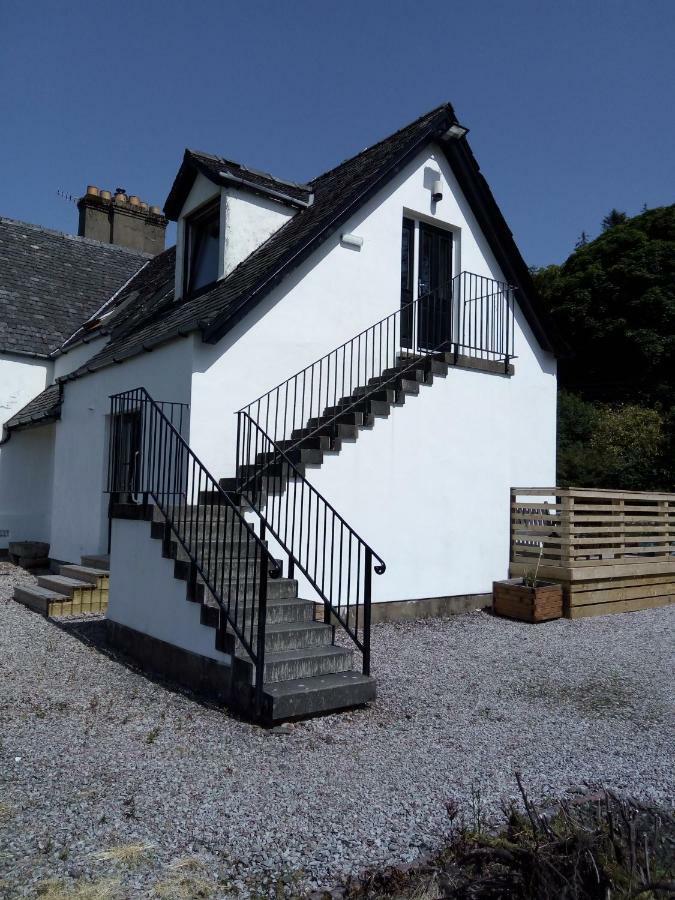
(469, 316)
(336, 561)
(150, 459)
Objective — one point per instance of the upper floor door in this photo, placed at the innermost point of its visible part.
(426, 324)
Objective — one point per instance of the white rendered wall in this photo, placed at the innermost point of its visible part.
(79, 513)
(326, 301)
(21, 379)
(429, 487)
(26, 480)
(67, 362)
(247, 222)
(145, 596)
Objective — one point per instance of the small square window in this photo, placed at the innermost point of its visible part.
(202, 232)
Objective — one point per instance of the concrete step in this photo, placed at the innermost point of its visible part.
(299, 456)
(60, 584)
(279, 612)
(287, 665)
(96, 561)
(296, 636)
(38, 598)
(408, 385)
(97, 577)
(315, 443)
(320, 694)
(277, 589)
(53, 603)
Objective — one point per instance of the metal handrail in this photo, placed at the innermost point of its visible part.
(170, 472)
(341, 577)
(469, 314)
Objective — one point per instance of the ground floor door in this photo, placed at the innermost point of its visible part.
(126, 453)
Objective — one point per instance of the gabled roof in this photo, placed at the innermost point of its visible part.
(338, 194)
(50, 282)
(44, 408)
(222, 172)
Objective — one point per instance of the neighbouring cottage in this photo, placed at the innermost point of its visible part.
(214, 402)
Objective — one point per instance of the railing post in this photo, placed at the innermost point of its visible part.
(367, 596)
(262, 622)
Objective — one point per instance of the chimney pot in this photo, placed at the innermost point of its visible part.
(120, 219)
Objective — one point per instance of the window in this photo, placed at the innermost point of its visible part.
(202, 232)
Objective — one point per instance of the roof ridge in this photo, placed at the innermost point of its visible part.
(116, 248)
(437, 109)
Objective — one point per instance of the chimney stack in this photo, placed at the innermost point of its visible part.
(121, 219)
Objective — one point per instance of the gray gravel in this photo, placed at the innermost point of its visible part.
(94, 756)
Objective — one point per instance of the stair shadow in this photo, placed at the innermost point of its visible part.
(92, 632)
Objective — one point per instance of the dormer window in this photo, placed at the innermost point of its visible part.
(202, 233)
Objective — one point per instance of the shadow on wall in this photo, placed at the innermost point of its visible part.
(26, 479)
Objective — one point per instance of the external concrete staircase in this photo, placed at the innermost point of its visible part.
(305, 673)
(74, 591)
(343, 421)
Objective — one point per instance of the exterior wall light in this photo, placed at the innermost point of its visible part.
(351, 240)
(437, 190)
(456, 131)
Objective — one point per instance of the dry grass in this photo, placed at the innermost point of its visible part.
(124, 854)
(55, 889)
(183, 888)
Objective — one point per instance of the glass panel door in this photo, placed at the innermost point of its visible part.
(434, 289)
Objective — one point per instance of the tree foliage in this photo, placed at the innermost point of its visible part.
(614, 302)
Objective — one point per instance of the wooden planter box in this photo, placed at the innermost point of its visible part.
(515, 600)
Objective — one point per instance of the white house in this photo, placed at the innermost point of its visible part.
(344, 376)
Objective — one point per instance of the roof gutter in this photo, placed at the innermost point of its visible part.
(266, 192)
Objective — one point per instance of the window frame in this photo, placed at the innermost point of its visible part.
(194, 223)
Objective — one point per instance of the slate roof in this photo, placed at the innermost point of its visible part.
(51, 282)
(337, 194)
(46, 407)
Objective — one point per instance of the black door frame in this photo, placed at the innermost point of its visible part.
(427, 325)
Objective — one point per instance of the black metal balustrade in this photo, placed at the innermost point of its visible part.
(469, 316)
(150, 459)
(336, 561)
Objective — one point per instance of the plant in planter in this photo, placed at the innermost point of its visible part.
(528, 598)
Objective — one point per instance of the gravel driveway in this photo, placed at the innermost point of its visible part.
(105, 774)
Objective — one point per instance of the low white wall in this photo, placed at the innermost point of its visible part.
(26, 482)
(79, 513)
(145, 596)
(21, 379)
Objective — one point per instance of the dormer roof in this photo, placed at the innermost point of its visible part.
(224, 172)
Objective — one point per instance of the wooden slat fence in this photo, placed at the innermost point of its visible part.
(583, 535)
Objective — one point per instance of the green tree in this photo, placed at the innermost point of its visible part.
(613, 218)
(629, 441)
(614, 302)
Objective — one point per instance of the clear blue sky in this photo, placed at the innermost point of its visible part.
(570, 104)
